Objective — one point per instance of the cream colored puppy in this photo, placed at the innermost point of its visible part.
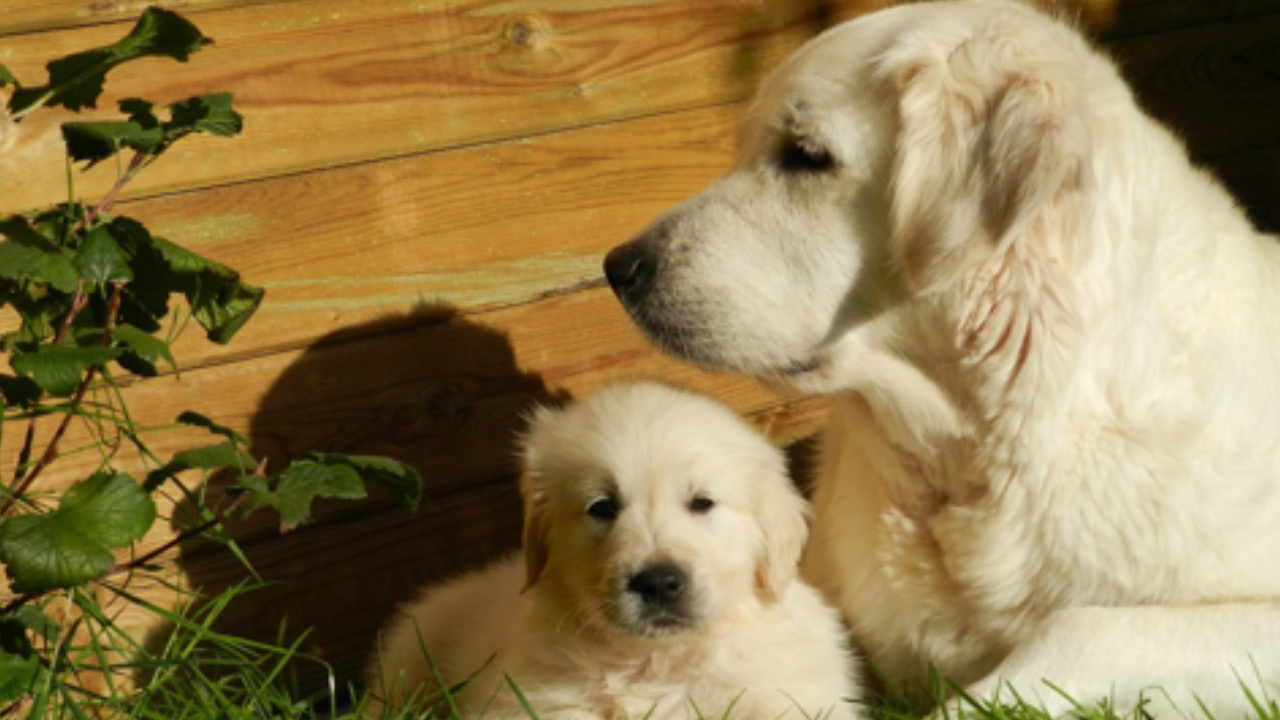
(1053, 346)
(662, 539)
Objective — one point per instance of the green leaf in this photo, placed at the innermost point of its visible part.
(101, 260)
(41, 553)
(140, 111)
(40, 308)
(110, 508)
(183, 261)
(292, 492)
(7, 78)
(304, 481)
(20, 391)
(93, 142)
(75, 81)
(210, 114)
(195, 419)
(401, 481)
(17, 673)
(73, 544)
(225, 308)
(58, 369)
(38, 623)
(146, 299)
(210, 457)
(144, 345)
(25, 254)
(219, 301)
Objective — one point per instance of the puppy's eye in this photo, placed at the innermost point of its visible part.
(604, 509)
(701, 504)
(802, 155)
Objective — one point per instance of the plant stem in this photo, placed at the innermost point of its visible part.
(109, 200)
(167, 546)
(78, 304)
(181, 537)
(51, 449)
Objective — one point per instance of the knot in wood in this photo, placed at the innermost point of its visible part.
(530, 32)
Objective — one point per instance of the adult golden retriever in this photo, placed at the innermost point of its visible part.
(1053, 346)
(660, 563)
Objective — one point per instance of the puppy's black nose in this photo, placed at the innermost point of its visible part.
(630, 269)
(659, 585)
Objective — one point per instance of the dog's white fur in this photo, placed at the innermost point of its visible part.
(1053, 346)
(693, 487)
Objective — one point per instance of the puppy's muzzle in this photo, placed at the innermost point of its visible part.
(661, 595)
(659, 586)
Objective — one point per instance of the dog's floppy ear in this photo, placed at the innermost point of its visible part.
(992, 136)
(536, 525)
(784, 524)
(533, 489)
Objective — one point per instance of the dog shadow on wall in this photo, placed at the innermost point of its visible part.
(431, 389)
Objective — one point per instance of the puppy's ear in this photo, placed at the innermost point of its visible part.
(992, 136)
(536, 526)
(784, 524)
(534, 491)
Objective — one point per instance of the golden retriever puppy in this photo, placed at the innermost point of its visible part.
(659, 574)
(1053, 346)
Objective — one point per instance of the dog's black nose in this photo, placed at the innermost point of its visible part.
(659, 585)
(630, 269)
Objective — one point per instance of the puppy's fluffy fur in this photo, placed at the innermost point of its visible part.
(1051, 342)
(662, 543)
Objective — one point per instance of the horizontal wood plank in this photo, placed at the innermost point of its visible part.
(20, 16)
(334, 82)
(1109, 18)
(444, 395)
(475, 229)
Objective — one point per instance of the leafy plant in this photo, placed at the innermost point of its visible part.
(99, 301)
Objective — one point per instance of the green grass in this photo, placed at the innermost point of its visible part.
(194, 672)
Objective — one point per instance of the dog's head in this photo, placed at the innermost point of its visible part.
(653, 510)
(929, 155)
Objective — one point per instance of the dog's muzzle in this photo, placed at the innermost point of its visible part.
(657, 600)
(631, 269)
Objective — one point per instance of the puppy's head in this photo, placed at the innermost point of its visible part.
(653, 511)
(897, 161)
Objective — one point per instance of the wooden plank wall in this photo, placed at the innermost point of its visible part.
(427, 188)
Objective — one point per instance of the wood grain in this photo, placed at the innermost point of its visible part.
(430, 390)
(334, 82)
(1109, 18)
(476, 228)
(20, 16)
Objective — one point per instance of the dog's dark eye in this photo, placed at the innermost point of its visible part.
(701, 504)
(800, 155)
(604, 509)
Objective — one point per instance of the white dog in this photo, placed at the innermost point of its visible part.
(662, 544)
(1053, 345)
